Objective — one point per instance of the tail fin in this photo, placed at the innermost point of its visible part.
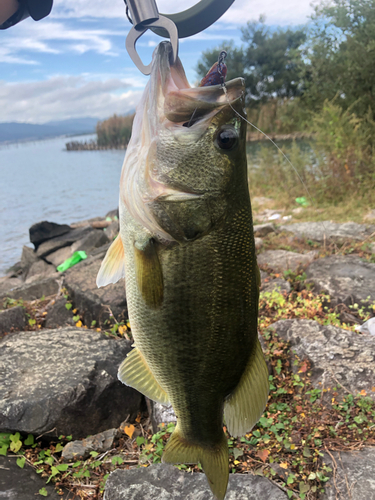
(214, 460)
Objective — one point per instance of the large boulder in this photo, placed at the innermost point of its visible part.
(34, 290)
(353, 475)
(328, 230)
(58, 315)
(43, 231)
(12, 319)
(39, 270)
(337, 356)
(64, 240)
(280, 261)
(63, 382)
(93, 303)
(346, 278)
(165, 482)
(24, 484)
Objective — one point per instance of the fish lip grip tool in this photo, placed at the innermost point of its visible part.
(144, 15)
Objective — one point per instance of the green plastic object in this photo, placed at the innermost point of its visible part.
(302, 201)
(72, 261)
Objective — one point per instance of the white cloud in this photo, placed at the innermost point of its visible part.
(63, 97)
(288, 12)
(54, 37)
(281, 13)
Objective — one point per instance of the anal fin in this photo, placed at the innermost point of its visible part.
(135, 373)
(214, 459)
(245, 405)
(113, 265)
(149, 273)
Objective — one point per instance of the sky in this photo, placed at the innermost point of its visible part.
(74, 63)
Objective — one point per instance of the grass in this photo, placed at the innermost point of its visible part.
(302, 423)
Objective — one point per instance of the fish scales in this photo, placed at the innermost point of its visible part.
(207, 292)
(187, 252)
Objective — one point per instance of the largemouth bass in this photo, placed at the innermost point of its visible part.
(187, 251)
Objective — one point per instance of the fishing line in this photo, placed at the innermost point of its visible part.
(220, 63)
(274, 143)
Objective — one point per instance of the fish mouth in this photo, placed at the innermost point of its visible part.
(185, 104)
(170, 107)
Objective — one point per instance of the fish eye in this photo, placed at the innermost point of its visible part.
(226, 138)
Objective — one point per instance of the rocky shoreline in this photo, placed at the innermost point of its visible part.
(54, 331)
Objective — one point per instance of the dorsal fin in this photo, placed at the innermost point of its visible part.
(113, 265)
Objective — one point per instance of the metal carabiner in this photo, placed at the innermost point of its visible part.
(145, 15)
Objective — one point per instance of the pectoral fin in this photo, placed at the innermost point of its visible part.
(135, 373)
(246, 404)
(149, 273)
(113, 265)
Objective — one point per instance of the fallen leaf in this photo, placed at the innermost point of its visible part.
(79, 323)
(373, 389)
(236, 462)
(303, 368)
(138, 419)
(284, 465)
(129, 430)
(263, 454)
(363, 393)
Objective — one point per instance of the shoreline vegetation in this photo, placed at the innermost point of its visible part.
(300, 85)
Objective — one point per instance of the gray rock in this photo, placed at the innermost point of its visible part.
(58, 315)
(60, 256)
(24, 484)
(28, 258)
(258, 243)
(346, 278)
(261, 230)
(165, 482)
(112, 230)
(354, 479)
(268, 284)
(7, 284)
(277, 284)
(281, 260)
(63, 382)
(162, 414)
(64, 240)
(95, 303)
(337, 356)
(327, 230)
(113, 213)
(84, 223)
(39, 270)
(13, 319)
(32, 291)
(94, 239)
(81, 449)
(43, 231)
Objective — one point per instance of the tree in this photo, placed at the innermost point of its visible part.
(341, 56)
(270, 61)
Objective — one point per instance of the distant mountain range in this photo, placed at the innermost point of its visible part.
(15, 131)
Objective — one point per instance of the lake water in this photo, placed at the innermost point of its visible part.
(42, 181)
